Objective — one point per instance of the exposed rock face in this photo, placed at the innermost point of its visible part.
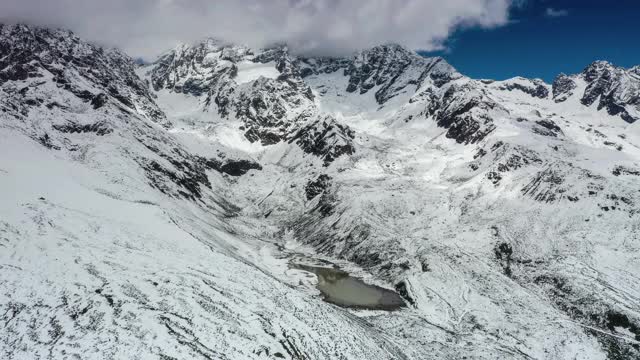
(239, 167)
(196, 69)
(547, 128)
(621, 170)
(464, 112)
(231, 167)
(30, 52)
(615, 87)
(273, 109)
(563, 87)
(72, 96)
(317, 186)
(392, 68)
(326, 139)
(616, 90)
(379, 66)
(389, 68)
(99, 128)
(600, 77)
(394, 71)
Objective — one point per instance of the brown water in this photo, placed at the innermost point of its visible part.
(338, 287)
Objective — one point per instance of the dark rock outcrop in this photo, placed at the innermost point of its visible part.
(462, 111)
(99, 128)
(326, 139)
(392, 68)
(562, 88)
(231, 167)
(547, 127)
(317, 186)
(623, 170)
(614, 87)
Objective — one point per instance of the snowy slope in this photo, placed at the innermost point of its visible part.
(153, 212)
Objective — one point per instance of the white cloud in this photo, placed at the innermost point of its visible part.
(551, 12)
(147, 27)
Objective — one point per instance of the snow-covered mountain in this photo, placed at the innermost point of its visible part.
(156, 211)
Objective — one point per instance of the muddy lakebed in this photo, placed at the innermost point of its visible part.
(340, 288)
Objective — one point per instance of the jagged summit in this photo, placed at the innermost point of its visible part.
(616, 89)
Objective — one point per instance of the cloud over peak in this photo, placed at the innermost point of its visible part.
(147, 27)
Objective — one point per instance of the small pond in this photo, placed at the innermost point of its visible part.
(340, 288)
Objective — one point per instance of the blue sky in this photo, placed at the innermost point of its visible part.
(547, 37)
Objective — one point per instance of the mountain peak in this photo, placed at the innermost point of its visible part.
(598, 67)
(389, 50)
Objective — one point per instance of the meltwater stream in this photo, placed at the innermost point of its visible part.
(338, 287)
